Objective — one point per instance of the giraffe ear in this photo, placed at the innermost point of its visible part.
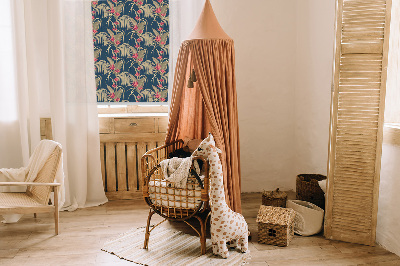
(216, 149)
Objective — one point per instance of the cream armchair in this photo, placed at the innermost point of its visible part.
(36, 197)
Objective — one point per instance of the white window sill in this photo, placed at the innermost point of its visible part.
(133, 115)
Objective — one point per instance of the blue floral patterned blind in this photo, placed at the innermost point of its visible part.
(131, 40)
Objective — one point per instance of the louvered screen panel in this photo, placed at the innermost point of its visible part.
(356, 119)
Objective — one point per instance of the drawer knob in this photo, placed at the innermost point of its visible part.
(133, 124)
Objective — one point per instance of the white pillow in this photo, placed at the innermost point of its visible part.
(322, 184)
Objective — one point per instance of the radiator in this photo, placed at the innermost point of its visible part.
(123, 141)
(121, 168)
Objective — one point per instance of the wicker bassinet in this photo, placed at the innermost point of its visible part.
(170, 202)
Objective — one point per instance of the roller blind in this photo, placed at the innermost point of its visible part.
(131, 50)
(358, 96)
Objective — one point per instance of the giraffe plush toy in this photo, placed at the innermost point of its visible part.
(226, 225)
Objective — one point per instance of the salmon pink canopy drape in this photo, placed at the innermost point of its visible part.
(211, 105)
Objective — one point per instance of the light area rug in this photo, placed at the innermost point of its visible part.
(168, 247)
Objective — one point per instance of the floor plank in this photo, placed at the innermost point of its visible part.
(82, 233)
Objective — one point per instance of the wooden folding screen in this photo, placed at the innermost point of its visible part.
(358, 96)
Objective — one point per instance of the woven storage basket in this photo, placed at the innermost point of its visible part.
(275, 225)
(308, 189)
(274, 198)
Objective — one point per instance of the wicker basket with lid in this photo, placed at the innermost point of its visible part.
(274, 198)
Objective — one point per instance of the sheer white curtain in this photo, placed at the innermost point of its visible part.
(10, 155)
(182, 19)
(74, 109)
(55, 78)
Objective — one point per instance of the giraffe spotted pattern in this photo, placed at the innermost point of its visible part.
(226, 225)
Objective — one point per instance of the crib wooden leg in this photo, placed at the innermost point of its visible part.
(203, 232)
(203, 236)
(147, 235)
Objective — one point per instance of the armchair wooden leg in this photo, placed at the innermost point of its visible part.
(147, 235)
(56, 212)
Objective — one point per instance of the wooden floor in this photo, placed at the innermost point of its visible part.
(82, 233)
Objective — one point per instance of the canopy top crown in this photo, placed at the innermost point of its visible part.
(207, 26)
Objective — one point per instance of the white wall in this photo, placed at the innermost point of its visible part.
(388, 227)
(284, 52)
(314, 60)
(264, 32)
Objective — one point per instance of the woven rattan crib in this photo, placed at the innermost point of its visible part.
(170, 202)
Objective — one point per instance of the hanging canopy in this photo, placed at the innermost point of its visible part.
(211, 105)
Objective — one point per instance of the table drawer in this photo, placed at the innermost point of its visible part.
(134, 125)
